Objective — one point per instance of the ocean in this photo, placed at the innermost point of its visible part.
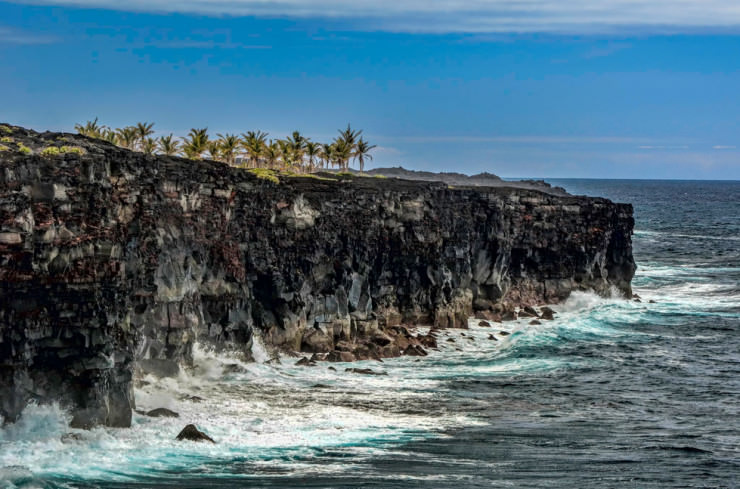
(613, 393)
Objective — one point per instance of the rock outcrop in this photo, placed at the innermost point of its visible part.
(113, 263)
(192, 433)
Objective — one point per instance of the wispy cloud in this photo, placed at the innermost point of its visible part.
(663, 147)
(14, 36)
(520, 139)
(387, 151)
(462, 16)
(724, 147)
(205, 44)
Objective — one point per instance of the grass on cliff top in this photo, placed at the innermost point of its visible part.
(308, 175)
(5, 129)
(4, 148)
(6, 139)
(274, 175)
(24, 149)
(265, 174)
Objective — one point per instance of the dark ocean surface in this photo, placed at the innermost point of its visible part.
(612, 393)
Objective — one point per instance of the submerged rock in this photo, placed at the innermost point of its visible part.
(340, 356)
(415, 351)
(547, 314)
(527, 312)
(162, 413)
(429, 340)
(233, 368)
(191, 398)
(72, 437)
(364, 371)
(509, 316)
(191, 433)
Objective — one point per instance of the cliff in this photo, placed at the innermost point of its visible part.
(113, 263)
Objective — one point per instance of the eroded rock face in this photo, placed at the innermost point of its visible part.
(114, 263)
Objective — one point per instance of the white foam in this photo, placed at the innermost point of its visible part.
(36, 423)
(269, 413)
(687, 236)
(259, 352)
(259, 412)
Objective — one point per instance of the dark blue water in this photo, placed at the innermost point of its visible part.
(611, 394)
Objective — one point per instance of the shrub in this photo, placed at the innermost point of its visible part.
(6, 139)
(54, 151)
(24, 149)
(4, 148)
(72, 150)
(50, 151)
(5, 129)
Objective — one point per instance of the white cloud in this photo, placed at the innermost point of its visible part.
(463, 16)
(724, 147)
(14, 36)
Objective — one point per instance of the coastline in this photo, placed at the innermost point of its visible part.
(139, 256)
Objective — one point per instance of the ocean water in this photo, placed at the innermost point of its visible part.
(612, 393)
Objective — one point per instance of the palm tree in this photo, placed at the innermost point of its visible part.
(91, 129)
(296, 151)
(271, 153)
(327, 154)
(214, 149)
(149, 146)
(168, 146)
(349, 136)
(109, 135)
(342, 153)
(362, 152)
(143, 131)
(312, 151)
(196, 143)
(229, 147)
(297, 143)
(127, 137)
(286, 153)
(254, 144)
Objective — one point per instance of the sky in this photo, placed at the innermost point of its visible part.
(519, 88)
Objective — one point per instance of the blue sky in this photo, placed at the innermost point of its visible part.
(535, 88)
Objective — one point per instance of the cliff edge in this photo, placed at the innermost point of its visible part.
(113, 263)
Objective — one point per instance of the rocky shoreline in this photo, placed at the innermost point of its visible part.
(114, 263)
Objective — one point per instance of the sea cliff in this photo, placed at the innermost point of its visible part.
(114, 263)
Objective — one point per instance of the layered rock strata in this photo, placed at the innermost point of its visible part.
(113, 263)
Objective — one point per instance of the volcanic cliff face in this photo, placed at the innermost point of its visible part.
(114, 263)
